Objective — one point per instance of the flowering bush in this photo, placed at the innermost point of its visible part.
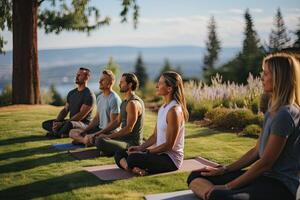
(219, 94)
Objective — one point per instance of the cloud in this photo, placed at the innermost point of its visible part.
(235, 11)
(294, 10)
(183, 30)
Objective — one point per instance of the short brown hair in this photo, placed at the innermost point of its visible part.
(131, 78)
(87, 71)
(110, 74)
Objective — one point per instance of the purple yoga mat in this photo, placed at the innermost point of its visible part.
(113, 172)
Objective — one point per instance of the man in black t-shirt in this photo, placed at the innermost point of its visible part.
(80, 103)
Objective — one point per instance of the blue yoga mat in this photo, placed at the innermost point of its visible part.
(68, 146)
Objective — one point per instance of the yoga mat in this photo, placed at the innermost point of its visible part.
(180, 195)
(67, 146)
(86, 154)
(109, 172)
(113, 172)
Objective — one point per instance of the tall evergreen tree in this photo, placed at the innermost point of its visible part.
(166, 67)
(248, 60)
(297, 33)
(24, 17)
(140, 71)
(213, 48)
(279, 38)
(251, 41)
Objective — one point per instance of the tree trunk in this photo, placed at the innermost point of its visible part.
(25, 80)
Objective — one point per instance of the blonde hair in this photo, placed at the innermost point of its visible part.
(285, 70)
(174, 80)
(110, 74)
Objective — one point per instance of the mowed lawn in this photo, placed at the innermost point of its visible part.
(31, 169)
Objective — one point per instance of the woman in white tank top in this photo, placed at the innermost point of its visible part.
(163, 150)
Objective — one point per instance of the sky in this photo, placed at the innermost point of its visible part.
(175, 22)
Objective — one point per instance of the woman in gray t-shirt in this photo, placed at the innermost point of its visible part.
(275, 160)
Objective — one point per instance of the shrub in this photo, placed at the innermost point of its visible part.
(46, 97)
(254, 105)
(6, 96)
(52, 97)
(217, 113)
(57, 100)
(147, 93)
(252, 130)
(197, 110)
(226, 103)
(240, 103)
(235, 119)
(258, 120)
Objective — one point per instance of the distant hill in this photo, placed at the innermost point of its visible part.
(58, 66)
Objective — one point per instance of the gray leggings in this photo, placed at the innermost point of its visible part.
(262, 188)
(152, 163)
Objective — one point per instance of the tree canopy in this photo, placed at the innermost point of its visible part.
(213, 48)
(248, 60)
(279, 38)
(140, 71)
(74, 15)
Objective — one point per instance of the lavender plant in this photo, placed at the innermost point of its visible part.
(223, 94)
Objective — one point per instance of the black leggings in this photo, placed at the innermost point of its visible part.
(262, 188)
(64, 130)
(152, 163)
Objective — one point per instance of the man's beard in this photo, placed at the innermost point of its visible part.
(124, 90)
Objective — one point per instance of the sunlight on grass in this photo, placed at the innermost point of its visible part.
(30, 168)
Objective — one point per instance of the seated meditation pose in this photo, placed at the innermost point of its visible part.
(108, 109)
(273, 164)
(80, 103)
(163, 150)
(131, 119)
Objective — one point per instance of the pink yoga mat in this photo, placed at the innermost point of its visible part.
(113, 172)
(86, 154)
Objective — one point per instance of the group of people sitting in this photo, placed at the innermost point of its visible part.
(268, 171)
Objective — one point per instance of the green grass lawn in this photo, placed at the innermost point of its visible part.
(31, 169)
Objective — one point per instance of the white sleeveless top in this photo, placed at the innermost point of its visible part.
(176, 153)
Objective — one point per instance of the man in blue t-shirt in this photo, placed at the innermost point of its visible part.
(108, 108)
(80, 103)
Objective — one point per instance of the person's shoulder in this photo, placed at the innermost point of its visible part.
(134, 103)
(72, 91)
(88, 90)
(114, 95)
(100, 95)
(291, 110)
(137, 98)
(286, 112)
(175, 109)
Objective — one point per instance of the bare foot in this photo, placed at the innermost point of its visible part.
(124, 164)
(139, 172)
